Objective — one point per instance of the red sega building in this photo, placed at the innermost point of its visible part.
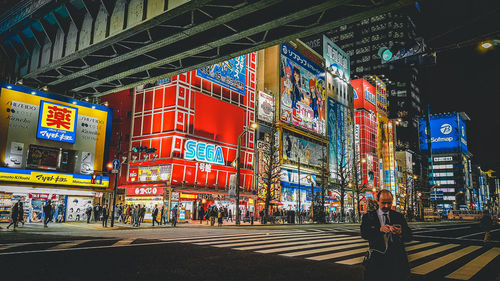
(366, 138)
(194, 120)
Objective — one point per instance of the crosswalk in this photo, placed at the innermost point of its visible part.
(449, 261)
(434, 259)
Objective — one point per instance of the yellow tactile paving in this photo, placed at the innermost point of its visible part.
(467, 271)
(442, 261)
(68, 245)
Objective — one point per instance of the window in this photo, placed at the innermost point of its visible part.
(443, 166)
(437, 175)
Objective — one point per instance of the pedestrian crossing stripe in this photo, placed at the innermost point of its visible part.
(467, 271)
(227, 237)
(442, 261)
(264, 240)
(313, 243)
(358, 260)
(240, 239)
(329, 249)
(432, 251)
(339, 254)
(125, 242)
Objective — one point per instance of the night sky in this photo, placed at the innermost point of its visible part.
(465, 78)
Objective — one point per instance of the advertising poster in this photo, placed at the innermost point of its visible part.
(309, 153)
(75, 210)
(230, 74)
(380, 89)
(336, 59)
(338, 136)
(290, 185)
(447, 134)
(57, 122)
(266, 107)
(302, 91)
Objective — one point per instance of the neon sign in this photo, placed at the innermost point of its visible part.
(57, 122)
(204, 152)
(369, 97)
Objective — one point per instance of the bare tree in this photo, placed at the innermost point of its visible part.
(342, 168)
(270, 171)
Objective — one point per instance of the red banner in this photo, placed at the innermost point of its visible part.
(145, 191)
(43, 196)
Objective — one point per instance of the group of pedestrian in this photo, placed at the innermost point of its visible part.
(17, 215)
(133, 214)
(214, 214)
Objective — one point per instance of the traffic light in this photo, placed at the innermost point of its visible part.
(93, 180)
(420, 194)
(139, 149)
(144, 149)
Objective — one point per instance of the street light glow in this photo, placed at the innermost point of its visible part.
(254, 126)
(486, 45)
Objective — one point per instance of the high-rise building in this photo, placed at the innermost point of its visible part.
(365, 133)
(362, 41)
(449, 171)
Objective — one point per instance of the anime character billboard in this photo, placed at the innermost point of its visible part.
(302, 91)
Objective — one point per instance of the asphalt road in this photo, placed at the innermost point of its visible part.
(310, 252)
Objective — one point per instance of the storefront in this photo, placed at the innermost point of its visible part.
(148, 196)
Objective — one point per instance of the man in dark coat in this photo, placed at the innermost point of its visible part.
(386, 230)
(97, 212)
(105, 215)
(155, 215)
(47, 213)
(14, 215)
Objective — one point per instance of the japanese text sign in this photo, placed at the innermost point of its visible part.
(57, 122)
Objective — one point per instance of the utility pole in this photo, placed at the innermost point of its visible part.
(116, 180)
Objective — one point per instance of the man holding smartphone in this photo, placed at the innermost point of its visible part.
(386, 231)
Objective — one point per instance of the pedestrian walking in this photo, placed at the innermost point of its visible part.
(486, 225)
(120, 212)
(213, 213)
(142, 213)
(162, 215)
(97, 212)
(47, 213)
(60, 213)
(201, 213)
(14, 215)
(128, 213)
(20, 217)
(174, 216)
(155, 215)
(88, 213)
(219, 217)
(137, 215)
(105, 215)
(386, 231)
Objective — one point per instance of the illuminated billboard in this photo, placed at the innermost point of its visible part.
(447, 133)
(230, 74)
(57, 122)
(295, 148)
(302, 91)
(364, 95)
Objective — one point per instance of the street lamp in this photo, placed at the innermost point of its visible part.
(238, 157)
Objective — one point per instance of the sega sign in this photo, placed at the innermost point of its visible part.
(447, 133)
(203, 152)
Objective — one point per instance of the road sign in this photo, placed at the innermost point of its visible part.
(116, 164)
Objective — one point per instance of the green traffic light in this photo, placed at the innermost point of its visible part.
(386, 55)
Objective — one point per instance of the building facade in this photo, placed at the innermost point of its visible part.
(194, 121)
(52, 148)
